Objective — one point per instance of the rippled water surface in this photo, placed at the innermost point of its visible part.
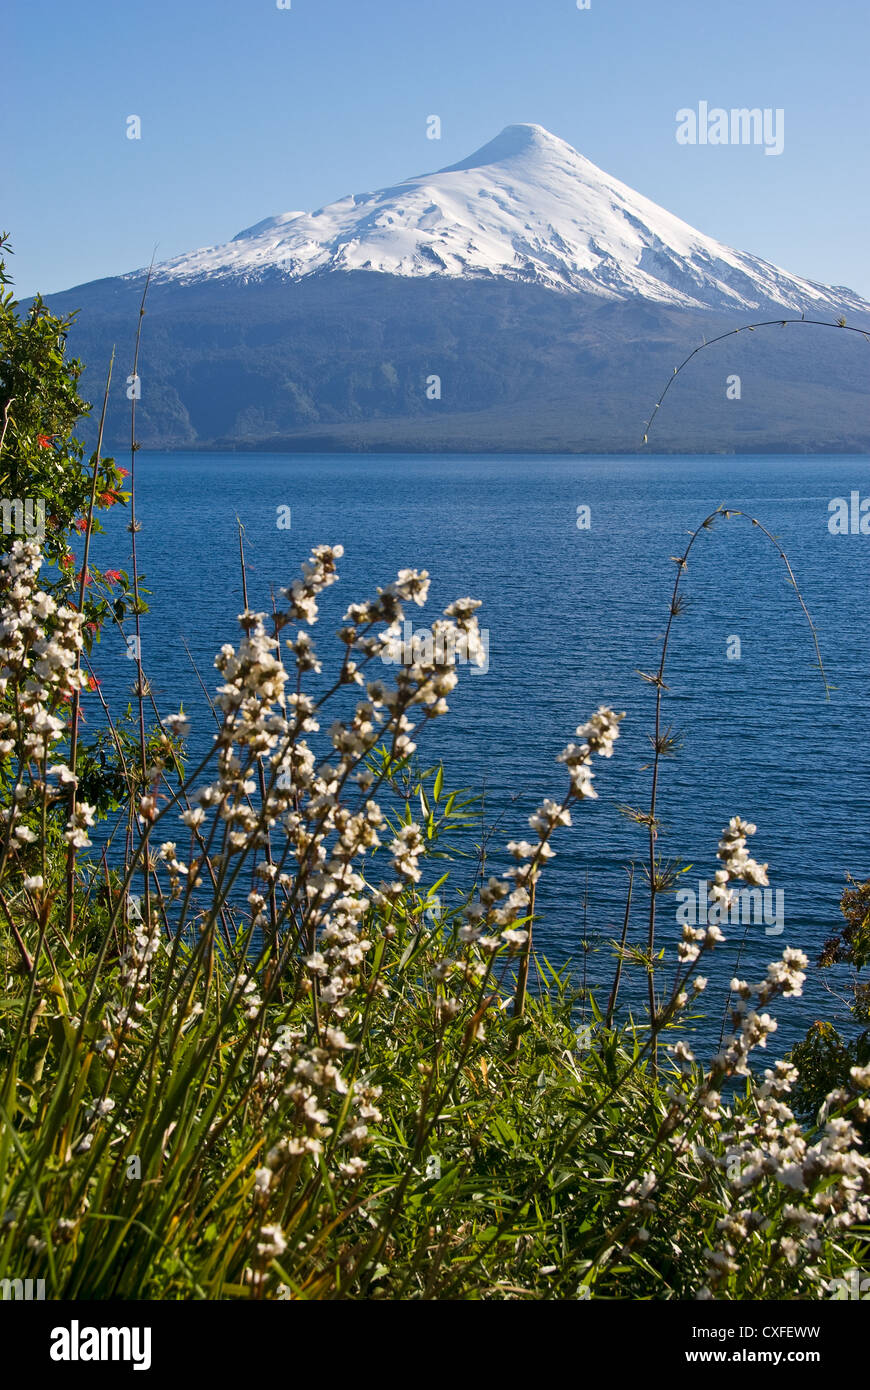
(572, 614)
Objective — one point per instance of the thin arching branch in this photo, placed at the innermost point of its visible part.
(746, 328)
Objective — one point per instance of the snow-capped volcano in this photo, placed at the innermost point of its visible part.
(520, 299)
(526, 208)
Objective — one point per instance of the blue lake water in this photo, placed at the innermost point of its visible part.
(571, 615)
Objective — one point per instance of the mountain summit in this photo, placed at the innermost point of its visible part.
(525, 208)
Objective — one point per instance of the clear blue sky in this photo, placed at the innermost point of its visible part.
(249, 110)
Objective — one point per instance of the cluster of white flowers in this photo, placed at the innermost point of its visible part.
(253, 677)
(123, 1014)
(406, 850)
(42, 664)
(638, 1193)
(310, 1078)
(168, 854)
(318, 573)
(788, 1192)
(598, 734)
(40, 646)
(735, 858)
(737, 864)
(786, 977)
(272, 1242)
(698, 939)
(769, 1152)
(94, 1113)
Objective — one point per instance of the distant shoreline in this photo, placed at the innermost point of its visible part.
(284, 447)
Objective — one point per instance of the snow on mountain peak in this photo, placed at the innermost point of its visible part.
(526, 207)
(515, 141)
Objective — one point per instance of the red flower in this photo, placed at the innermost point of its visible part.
(111, 577)
(124, 472)
(87, 577)
(44, 440)
(81, 524)
(107, 499)
(93, 682)
(91, 627)
(68, 558)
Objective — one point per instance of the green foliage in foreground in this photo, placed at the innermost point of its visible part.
(199, 1142)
